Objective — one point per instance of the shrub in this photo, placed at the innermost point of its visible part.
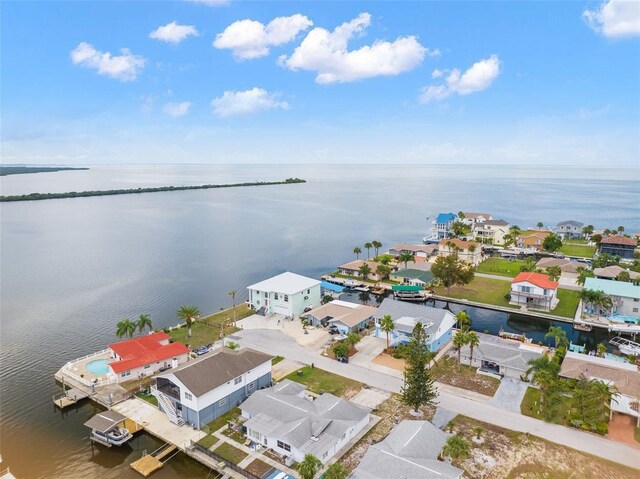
(341, 349)
(232, 345)
(400, 351)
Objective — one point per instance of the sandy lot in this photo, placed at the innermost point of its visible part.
(622, 428)
(384, 359)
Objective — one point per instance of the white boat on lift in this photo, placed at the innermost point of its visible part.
(107, 428)
(626, 346)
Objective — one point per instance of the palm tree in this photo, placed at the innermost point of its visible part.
(336, 471)
(368, 246)
(456, 447)
(601, 349)
(463, 319)
(126, 327)
(143, 322)
(357, 251)
(233, 299)
(364, 270)
(515, 232)
(554, 272)
(405, 258)
(583, 274)
(473, 340)
(624, 276)
(387, 325)
(309, 466)
(382, 270)
(189, 314)
(459, 340)
(377, 245)
(385, 260)
(539, 225)
(558, 334)
(352, 339)
(544, 372)
(620, 229)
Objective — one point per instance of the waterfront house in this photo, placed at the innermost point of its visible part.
(532, 240)
(491, 231)
(535, 291)
(625, 297)
(292, 423)
(411, 276)
(288, 293)
(144, 356)
(419, 252)
(613, 271)
(505, 357)
(352, 268)
(437, 322)
(570, 229)
(619, 245)
(441, 226)
(204, 389)
(347, 317)
(624, 376)
(409, 451)
(468, 251)
(471, 219)
(568, 268)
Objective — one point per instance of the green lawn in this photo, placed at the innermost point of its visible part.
(222, 420)
(320, 381)
(230, 453)
(482, 290)
(150, 398)
(207, 329)
(208, 441)
(578, 250)
(500, 266)
(276, 360)
(567, 303)
(556, 414)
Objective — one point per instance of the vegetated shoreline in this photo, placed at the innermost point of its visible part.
(84, 194)
(25, 170)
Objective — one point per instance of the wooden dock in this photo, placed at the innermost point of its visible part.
(132, 426)
(150, 463)
(70, 397)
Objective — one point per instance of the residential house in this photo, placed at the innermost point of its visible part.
(144, 356)
(624, 376)
(532, 240)
(468, 251)
(568, 268)
(437, 322)
(288, 293)
(613, 271)
(414, 277)
(441, 226)
(292, 423)
(419, 252)
(505, 357)
(535, 291)
(347, 317)
(409, 451)
(204, 389)
(570, 229)
(352, 268)
(471, 219)
(619, 245)
(491, 231)
(624, 296)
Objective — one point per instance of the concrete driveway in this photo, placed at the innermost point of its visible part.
(510, 394)
(368, 349)
(314, 339)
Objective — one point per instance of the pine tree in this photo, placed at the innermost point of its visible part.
(418, 389)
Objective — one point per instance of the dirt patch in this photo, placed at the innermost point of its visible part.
(384, 359)
(622, 429)
(514, 455)
(446, 371)
(258, 468)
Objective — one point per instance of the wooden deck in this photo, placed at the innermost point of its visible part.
(150, 463)
(132, 426)
(70, 397)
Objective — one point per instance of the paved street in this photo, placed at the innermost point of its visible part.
(454, 399)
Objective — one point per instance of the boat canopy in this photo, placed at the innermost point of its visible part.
(331, 287)
(405, 287)
(105, 421)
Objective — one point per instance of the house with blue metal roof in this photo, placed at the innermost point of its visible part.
(441, 226)
(625, 298)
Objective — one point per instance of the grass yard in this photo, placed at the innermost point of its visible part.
(583, 251)
(276, 360)
(230, 453)
(446, 371)
(207, 329)
(482, 290)
(320, 381)
(208, 441)
(150, 398)
(223, 420)
(567, 303)
(556, 414)
(500, 267)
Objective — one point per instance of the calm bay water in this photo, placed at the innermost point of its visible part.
(70, 269)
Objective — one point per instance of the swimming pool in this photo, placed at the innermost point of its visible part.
(620, 318)
(97, 366)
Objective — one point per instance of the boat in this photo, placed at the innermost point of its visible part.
(107, 428)
(363, 289)
(351, 283)
(582, 326)
(515, 336)
(626, 346)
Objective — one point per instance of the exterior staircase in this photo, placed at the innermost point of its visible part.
(167, 406)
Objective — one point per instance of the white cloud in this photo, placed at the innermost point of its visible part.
(615, 18)
(124, 67)
(210, 3)
(327, 53)
(477, 78)
(245, 102)
(437, 73)
(249, 39)
(173, 33)
(177, 110)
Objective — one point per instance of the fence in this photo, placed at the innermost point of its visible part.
(218, 458)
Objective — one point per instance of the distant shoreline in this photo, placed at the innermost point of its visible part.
(85, 194)
(25, 170)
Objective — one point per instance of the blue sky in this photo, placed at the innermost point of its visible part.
(415, 82)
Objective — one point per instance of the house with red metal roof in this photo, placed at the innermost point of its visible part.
(534, 291)
(145, 355)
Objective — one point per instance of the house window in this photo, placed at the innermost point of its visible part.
(635, 310)
(252, 386)
(188, 396)
(237, 380)
(286, 298)
(635, 300)
(266, 295)
(525, 289)
(308, 291)
(147, 366)
(125, 374)
(222, 402)
(275, 296)
(285, 446)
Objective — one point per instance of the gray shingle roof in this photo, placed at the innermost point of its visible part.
(506, 352)
(577, 224)
(402, 309)
(496, 223)
(408, 452)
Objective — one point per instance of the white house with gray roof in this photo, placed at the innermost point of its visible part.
(437, 322)
(410, 451)
(506, 357)
(570, 229)
(293, 423)
(287, 293)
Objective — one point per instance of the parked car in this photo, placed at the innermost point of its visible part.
(333, 329)
(343, 359)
